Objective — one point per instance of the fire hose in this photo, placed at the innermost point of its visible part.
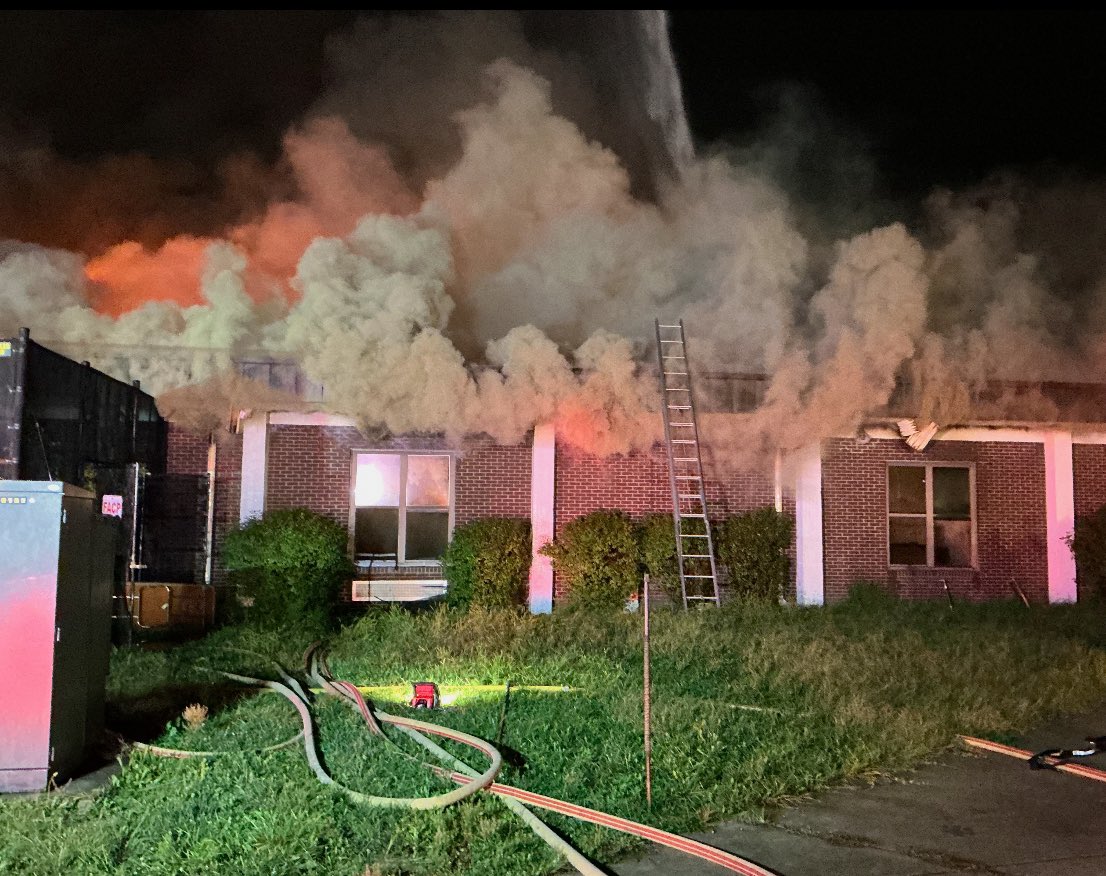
(468, 780)
(1054, 758)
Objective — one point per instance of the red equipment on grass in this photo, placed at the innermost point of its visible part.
(426, 695)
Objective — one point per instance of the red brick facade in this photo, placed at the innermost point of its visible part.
(637, 483)
(1089, 462)
(187, 454)
(1009, 519)
(311, 466)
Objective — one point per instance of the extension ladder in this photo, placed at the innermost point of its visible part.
(694, 543)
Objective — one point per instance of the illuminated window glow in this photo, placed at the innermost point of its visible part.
(402, 505)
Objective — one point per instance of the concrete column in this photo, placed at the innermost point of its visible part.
(255, 439)
(542, 479)
(1059, 515)
(809, 560)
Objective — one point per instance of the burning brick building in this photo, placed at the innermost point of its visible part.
(981, 510)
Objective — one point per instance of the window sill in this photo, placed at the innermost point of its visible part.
(901, 567)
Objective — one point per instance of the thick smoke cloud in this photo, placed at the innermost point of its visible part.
(507, 271)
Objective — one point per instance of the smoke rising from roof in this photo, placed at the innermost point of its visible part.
(448, 248)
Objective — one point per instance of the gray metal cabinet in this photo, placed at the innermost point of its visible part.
(56, 555)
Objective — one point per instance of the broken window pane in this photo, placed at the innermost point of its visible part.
(952, 543)
(906, 489)
(908, 541)
(952, 494)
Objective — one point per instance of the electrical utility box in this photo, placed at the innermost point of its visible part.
(56, 564)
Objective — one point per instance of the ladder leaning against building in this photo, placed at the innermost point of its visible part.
(694, 542)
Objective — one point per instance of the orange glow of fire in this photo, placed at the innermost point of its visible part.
(128, 275)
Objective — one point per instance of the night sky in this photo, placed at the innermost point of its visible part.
(933, 98)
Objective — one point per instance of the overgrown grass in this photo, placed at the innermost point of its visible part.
(752, 705)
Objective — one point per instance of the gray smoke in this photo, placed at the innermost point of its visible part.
(505, 270)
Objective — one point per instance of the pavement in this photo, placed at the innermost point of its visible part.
(966, 812)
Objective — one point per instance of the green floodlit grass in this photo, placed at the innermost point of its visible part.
(866, 687)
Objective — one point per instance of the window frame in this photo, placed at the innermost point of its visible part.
(401, 524)
(931, 543)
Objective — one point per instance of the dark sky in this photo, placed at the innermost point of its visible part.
(937, 97)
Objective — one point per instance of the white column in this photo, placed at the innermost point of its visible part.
(542, 478)
(255, 437)
(1059, 515)
(809, 569)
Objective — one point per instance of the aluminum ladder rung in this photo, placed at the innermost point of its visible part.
(682, 417)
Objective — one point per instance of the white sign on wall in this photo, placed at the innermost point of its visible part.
(111, 506)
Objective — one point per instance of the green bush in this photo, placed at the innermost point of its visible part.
(753, 549)
(597, 557)
(291, 563)
(657, 534)
(487, 564)
(1088, 544)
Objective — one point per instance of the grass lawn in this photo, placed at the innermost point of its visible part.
(865, 687)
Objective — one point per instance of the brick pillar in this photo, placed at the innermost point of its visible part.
(542, 479)
(255, 438)
(809, 567)
(1059, 515)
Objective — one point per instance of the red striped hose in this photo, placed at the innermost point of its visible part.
(998, 748)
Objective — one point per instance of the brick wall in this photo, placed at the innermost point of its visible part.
(187, 454)
(1009, 513)
(1089, 462)
(186, 451)
(493, 481)
(312, 467)
(637, 483)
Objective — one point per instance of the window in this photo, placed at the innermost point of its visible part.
(929, 515)
(402, 504)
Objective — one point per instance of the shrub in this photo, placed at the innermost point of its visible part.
(487, 564)
(291, 563)
(658, 552)
(753, 549)
(597, 556)
(1088, 544)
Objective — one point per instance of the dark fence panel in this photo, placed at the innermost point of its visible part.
(174, 528)
(61, 420)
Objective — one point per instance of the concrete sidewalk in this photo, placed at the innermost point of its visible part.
(967, 812)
